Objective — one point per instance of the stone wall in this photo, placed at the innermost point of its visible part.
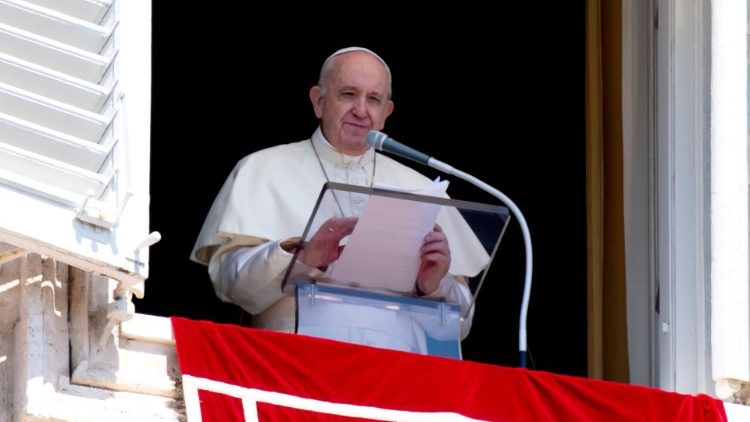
(62, 359)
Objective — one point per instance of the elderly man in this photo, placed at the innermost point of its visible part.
(250, 234)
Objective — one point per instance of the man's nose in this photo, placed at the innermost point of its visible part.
(360, 108)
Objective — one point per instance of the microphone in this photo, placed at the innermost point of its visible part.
(383, 142)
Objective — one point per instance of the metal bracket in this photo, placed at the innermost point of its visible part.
(98, 216)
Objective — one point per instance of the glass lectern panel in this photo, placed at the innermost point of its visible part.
(363, 247)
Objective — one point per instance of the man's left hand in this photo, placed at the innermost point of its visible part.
(436, 259)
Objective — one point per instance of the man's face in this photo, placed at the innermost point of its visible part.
(354, 102)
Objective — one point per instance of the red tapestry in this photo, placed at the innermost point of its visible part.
(232, 373)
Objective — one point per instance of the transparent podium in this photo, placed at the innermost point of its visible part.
(370, 240)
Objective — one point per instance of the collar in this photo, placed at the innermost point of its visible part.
(329, 153)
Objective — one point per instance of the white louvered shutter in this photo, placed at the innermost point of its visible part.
(74, 131)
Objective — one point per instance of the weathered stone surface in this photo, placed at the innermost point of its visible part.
(52, 316)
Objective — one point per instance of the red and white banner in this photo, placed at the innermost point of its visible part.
(232, 373)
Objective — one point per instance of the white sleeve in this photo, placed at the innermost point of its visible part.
(251, 277)
(451, 289)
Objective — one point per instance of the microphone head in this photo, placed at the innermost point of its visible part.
(375, 139)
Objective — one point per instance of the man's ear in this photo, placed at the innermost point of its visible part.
(389, 108)
(316, 98)
(386, 112)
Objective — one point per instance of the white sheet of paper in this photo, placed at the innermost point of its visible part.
(383, 250)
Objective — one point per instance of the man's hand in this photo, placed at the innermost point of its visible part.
(324, 246)
(436, 259)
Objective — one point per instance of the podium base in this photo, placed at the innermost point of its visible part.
(379, 319)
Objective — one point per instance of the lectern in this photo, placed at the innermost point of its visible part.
(368, 295)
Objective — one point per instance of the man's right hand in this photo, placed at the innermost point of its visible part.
(324, 246)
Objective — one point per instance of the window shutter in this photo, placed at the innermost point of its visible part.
(74, 131)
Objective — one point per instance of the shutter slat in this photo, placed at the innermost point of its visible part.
(53, 144)
(54, 25)
(53, 114)
(52, 54)
(51, 172)
(89, 10)
(52, 84)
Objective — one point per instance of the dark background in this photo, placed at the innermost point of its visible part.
(500, 96)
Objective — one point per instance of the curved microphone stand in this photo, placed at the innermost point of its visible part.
(383, 142)
(522, 344)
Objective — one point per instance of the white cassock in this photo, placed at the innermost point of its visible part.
(268, 198)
